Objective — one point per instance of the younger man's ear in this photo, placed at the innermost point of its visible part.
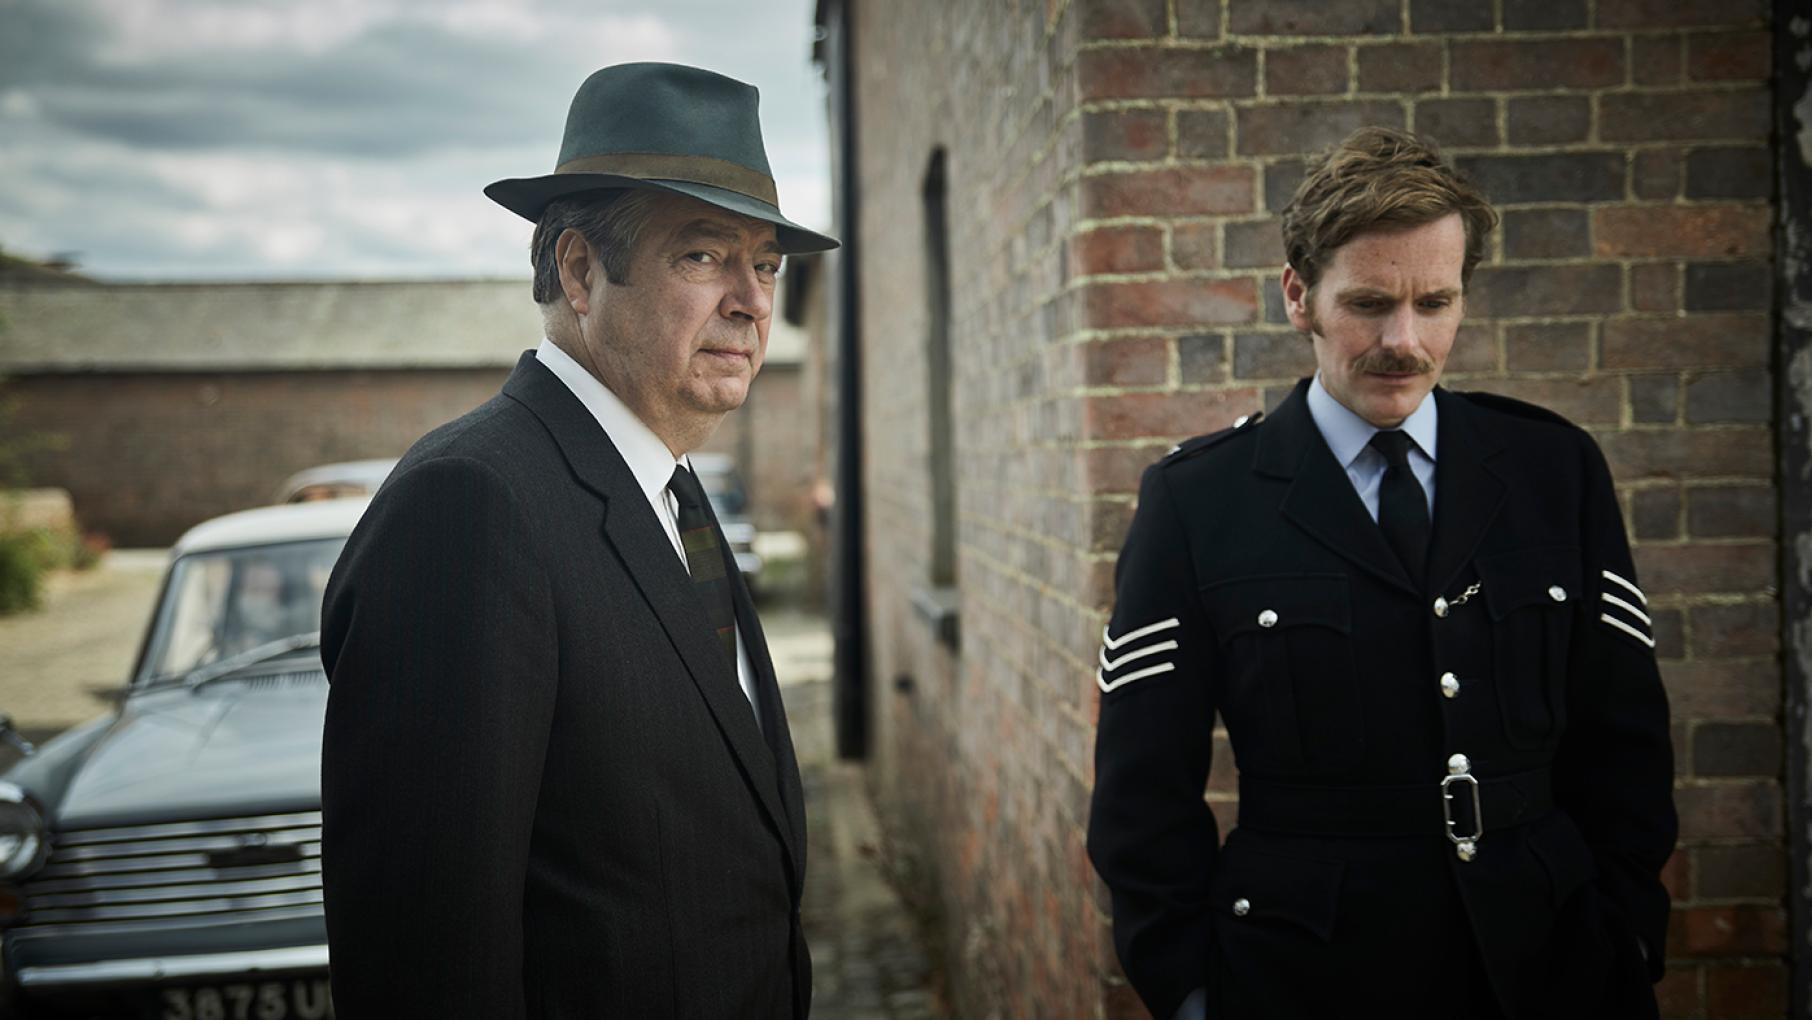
(1296, 298)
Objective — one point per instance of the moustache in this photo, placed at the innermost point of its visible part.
(1394, 362)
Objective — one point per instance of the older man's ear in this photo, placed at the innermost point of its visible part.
(574, 258)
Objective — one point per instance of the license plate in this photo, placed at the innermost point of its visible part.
(288, 999)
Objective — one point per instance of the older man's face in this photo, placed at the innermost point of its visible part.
(1383, 316)
(681, 340)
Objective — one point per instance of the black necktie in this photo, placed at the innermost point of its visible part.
(1402, 505)
(705, 558)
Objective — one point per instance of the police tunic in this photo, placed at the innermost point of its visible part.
(1455, 791)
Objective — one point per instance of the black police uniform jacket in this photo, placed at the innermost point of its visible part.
(544, 794)
(1254, 584)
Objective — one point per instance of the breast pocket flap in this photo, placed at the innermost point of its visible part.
(1536, 577)
(1278, 603)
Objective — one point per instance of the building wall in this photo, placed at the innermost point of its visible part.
(1115, 172)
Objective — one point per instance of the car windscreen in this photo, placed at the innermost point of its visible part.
(219, 604)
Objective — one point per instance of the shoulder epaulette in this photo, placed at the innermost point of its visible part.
(1513, 406)
(1190, 447)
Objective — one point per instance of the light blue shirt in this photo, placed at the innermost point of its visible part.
(1349, 437)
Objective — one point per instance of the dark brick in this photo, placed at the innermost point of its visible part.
(1729, 286)
(1546, 234)
(1270, 290)
(1730, 511)
(1308, 126)
(1655, 60)
(1488, 66)
(1670, 633)
(1655, 175)
(1400, 67)
(1506, 291)
(1199, 20)
(1650, 14)
(1138, 72)
(1313, 17)
(1117, 250)
(1736, 749)
(1168, 302)
(1458, 123)
(1305, 70)
(1192, 246)
(1121, 19)
(1722, 688)
(1202, 358)
(1560, 347)
(1474, 349)
(1735, 631)
(1678, 993)
(1202, 134)
(1591, 400)
(1125, 135)
(1688, 231)
(1549, 120)
(1272, 356)
(1655, 287)
(1694, 341)
(1252, 244)
(1674, 453)
(1732, 56)
(1654, 399)
(1442, 16)
(1747, 991)
(1533, 15)
(1281, 181)
(1708, 569)
(1748, 871)
(1740, 397)
(1132, 361)
(1559, 177)
(1724, 810)
(1683, 116)
(1729, 173)
(1173, 191)
(1655, 514)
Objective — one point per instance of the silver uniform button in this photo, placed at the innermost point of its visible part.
(1267, 618)
(1450, 685)
(1242, 907)
(1440, 608)
(1459, 765)
(1557, 593)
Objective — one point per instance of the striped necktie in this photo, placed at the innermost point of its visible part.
(705, 558)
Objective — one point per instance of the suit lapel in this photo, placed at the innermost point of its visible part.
(1321, 499)
(648, 556)
(1468, 493)
(767, 689)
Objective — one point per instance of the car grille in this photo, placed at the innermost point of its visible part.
(266, 867)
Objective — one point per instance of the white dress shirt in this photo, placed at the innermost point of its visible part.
(1349, 437)
(649, 461)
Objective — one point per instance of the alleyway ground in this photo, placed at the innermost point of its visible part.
(868, 963)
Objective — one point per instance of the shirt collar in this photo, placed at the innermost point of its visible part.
(1347, 434)
(648, 458)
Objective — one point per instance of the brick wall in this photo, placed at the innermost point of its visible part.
(1115, 171)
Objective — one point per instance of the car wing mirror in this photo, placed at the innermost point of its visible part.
(10, 735)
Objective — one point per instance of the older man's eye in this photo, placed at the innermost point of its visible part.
(701, 257)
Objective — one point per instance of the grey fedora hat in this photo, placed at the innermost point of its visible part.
(667, 127)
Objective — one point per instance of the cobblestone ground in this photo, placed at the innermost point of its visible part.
(868, 964)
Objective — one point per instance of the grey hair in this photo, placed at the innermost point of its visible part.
(611, 221)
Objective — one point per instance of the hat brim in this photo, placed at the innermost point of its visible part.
(528, 196)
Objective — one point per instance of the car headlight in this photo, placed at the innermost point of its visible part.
(23, 837)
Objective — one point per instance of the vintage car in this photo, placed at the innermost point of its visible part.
(163, 861)
(335, 481)
(729, 501)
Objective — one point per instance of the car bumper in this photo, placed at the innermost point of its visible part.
(50, 978)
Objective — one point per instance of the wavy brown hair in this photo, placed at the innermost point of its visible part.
(1379, 177)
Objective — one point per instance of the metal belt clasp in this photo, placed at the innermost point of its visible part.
(1465, 847)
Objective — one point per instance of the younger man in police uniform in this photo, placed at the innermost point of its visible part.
(1416, 614)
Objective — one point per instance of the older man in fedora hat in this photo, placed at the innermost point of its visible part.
(557, 779)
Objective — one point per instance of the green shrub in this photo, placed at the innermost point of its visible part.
(21, 572)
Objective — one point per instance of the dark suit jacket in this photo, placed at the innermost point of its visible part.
(544, 793)
(1293, 619)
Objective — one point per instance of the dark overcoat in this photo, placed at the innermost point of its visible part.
(1254, 584)
(544, 793)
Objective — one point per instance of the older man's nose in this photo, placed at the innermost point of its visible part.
(748, 296)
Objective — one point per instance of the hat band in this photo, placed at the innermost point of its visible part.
(655, 166)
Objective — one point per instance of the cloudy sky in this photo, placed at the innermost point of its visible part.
(337, 139)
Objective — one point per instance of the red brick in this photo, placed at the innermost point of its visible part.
(1721, 810)
(1704, 569)
(1174, 191)
(1746, 452)
(1125, 135)
(1131, 361)
(1739, 115)
(1115, 470)
(1169, 303)
(1728, 931)
(1700, 230)
(1121, 19)
(1305, 70)
(1734, 56)
(1536, 63)
(1117, 250)
(1400, 67)
(1751, 992)
(1193, 246)
(1136, 415)
(1307, 126)
(1142, 72)
(1650, 14)
(1676, 875)
(1693, 341)
(1312, 17)
(1679, 993)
